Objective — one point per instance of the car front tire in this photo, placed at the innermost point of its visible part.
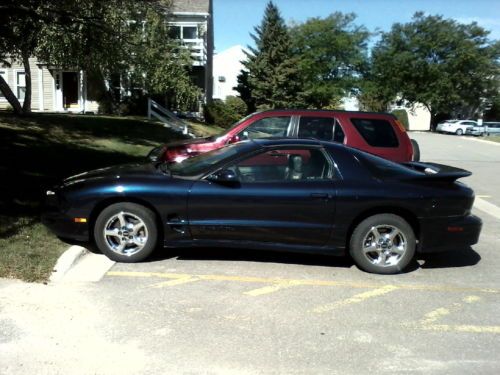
(459, 132)
(126, 232)
(383, 244)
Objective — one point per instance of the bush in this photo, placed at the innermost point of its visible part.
(226, 113)
(402, 116)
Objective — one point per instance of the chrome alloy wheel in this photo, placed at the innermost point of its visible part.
(125, 233)
(384, 245)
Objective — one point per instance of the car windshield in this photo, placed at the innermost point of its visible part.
(239, 122)
(197, 165)
(225, 131)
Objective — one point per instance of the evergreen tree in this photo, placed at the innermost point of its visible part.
(273, 76)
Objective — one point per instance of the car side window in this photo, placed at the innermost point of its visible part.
(281, 165)
(267, 127)
(376, 132)
(316, 127)
(338, 133)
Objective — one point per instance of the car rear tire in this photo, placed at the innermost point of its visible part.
(383, 244)
(126, 232)
(459, 132)
(416, 150)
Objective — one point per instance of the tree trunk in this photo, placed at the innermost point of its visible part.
(27, 76)
(9, 95)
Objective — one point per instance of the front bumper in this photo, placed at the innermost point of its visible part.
(61, 220)
(446, 234)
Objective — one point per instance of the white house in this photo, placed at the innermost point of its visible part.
(227, 66)
(419, 117)
(66, 90)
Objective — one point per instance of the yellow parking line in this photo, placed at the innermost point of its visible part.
(355, 299)
(434, 316)
(270, 289)
(175, 282)
(462, 328)
(305, 282)
(429, 320)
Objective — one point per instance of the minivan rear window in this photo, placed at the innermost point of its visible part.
(376, 132)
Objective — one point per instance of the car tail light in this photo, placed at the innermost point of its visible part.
(400, 126)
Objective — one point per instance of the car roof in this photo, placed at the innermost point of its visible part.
(279, 141)
(298, 111)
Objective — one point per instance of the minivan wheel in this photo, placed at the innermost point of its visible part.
(126, 232)
(383, 244)
(459, 132)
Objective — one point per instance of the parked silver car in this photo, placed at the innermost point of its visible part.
(492, 128)
(477, 130)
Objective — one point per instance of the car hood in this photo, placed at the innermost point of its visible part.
(114, 173)
(187, 142)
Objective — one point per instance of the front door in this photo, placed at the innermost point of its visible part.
(70, 90)
(283, 196)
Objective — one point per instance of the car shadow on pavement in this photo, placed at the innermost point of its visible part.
(462, 257)
(250, 255)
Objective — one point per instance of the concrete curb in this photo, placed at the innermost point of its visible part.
(481, 140)
(468, 138)
(67, 260)
(77, 264)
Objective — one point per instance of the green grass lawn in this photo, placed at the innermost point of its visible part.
(38, 151)
(493, 138)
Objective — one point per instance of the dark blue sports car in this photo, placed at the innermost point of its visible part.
(287, 194)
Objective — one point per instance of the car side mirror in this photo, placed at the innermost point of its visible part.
(224, 176)
(234, 139)
(155, 154)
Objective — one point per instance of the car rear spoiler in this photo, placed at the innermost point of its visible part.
(436, 172)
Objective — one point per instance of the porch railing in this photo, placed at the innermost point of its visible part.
(167, 117)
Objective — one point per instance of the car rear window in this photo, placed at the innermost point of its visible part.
(383, 168)
(376, 132)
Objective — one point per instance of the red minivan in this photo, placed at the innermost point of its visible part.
(377, 133)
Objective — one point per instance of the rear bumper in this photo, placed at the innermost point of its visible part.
(445, 234)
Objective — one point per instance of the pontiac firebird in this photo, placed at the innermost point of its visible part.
(276, 194)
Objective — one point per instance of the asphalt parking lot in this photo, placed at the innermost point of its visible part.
(212, 311)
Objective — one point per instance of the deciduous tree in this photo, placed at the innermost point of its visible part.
(447, 66)
(332, 55)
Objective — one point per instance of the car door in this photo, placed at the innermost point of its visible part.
(283, 195)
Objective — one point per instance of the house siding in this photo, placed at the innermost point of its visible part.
(48, 89)
(15, 67)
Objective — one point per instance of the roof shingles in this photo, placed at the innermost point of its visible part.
(188, 6)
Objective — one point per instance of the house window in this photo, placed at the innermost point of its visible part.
(222, 79)
(189, 32)
(174, 32)
(3, 73)
(20, 85)
(183, 32)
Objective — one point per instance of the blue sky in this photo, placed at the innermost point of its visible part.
(235, 19)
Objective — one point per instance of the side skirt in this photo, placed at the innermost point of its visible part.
(337, 251)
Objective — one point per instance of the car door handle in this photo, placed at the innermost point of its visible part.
(320, 195)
